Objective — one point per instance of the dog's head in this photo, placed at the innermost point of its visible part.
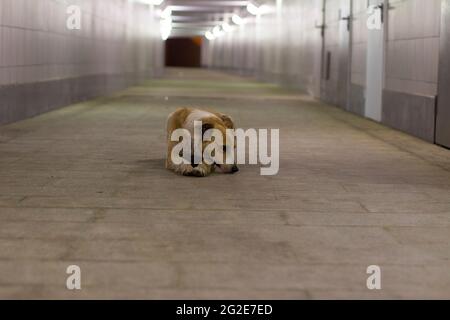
(224, 146)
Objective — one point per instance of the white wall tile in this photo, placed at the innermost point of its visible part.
(35, 44)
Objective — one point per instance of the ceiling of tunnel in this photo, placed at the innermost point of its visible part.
(195, 17)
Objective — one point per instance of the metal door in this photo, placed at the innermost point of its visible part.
(443, 106)
(336, 59)
(375, 60)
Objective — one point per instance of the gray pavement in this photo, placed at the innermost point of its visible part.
(86, 185)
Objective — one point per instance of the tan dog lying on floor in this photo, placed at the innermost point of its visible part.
(184, 119)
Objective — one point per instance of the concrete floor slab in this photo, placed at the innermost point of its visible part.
(86, 185)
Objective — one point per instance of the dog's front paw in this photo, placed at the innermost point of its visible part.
(199, 173)
(184, 169)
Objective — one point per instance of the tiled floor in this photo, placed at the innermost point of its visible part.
(86, 185)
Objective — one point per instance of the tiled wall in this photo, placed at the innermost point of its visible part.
(443, 104)
(284, 46)
(412, 64)
(413, 46)
(44, 65)
(356, 103)
(289, 51)
(359, 43)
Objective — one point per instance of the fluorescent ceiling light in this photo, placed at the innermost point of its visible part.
(209, 35)
(226, 27)
(237, 20)
(153, 2)
(166, 13)
(166, 30)
(254, 10)
(166, 23)
(217, 32)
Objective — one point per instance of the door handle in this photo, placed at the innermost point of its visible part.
(348, 19)
(321, 27)
(381, 8)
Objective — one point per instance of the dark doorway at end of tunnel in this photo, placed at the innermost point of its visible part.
(184, 52)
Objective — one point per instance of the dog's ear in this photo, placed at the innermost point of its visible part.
(227, 120)
(206, 127)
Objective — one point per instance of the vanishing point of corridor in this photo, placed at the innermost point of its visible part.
(86, 185)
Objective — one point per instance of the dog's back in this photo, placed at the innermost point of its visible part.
(185, 118)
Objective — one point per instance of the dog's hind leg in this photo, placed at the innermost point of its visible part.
(174, 122)
(183, 169)
(202, 170)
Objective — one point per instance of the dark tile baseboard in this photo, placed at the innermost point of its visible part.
(410, 113)
(357, 100)
(18, 102)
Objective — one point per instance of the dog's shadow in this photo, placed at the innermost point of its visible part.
(151, 164)
(158, 167)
